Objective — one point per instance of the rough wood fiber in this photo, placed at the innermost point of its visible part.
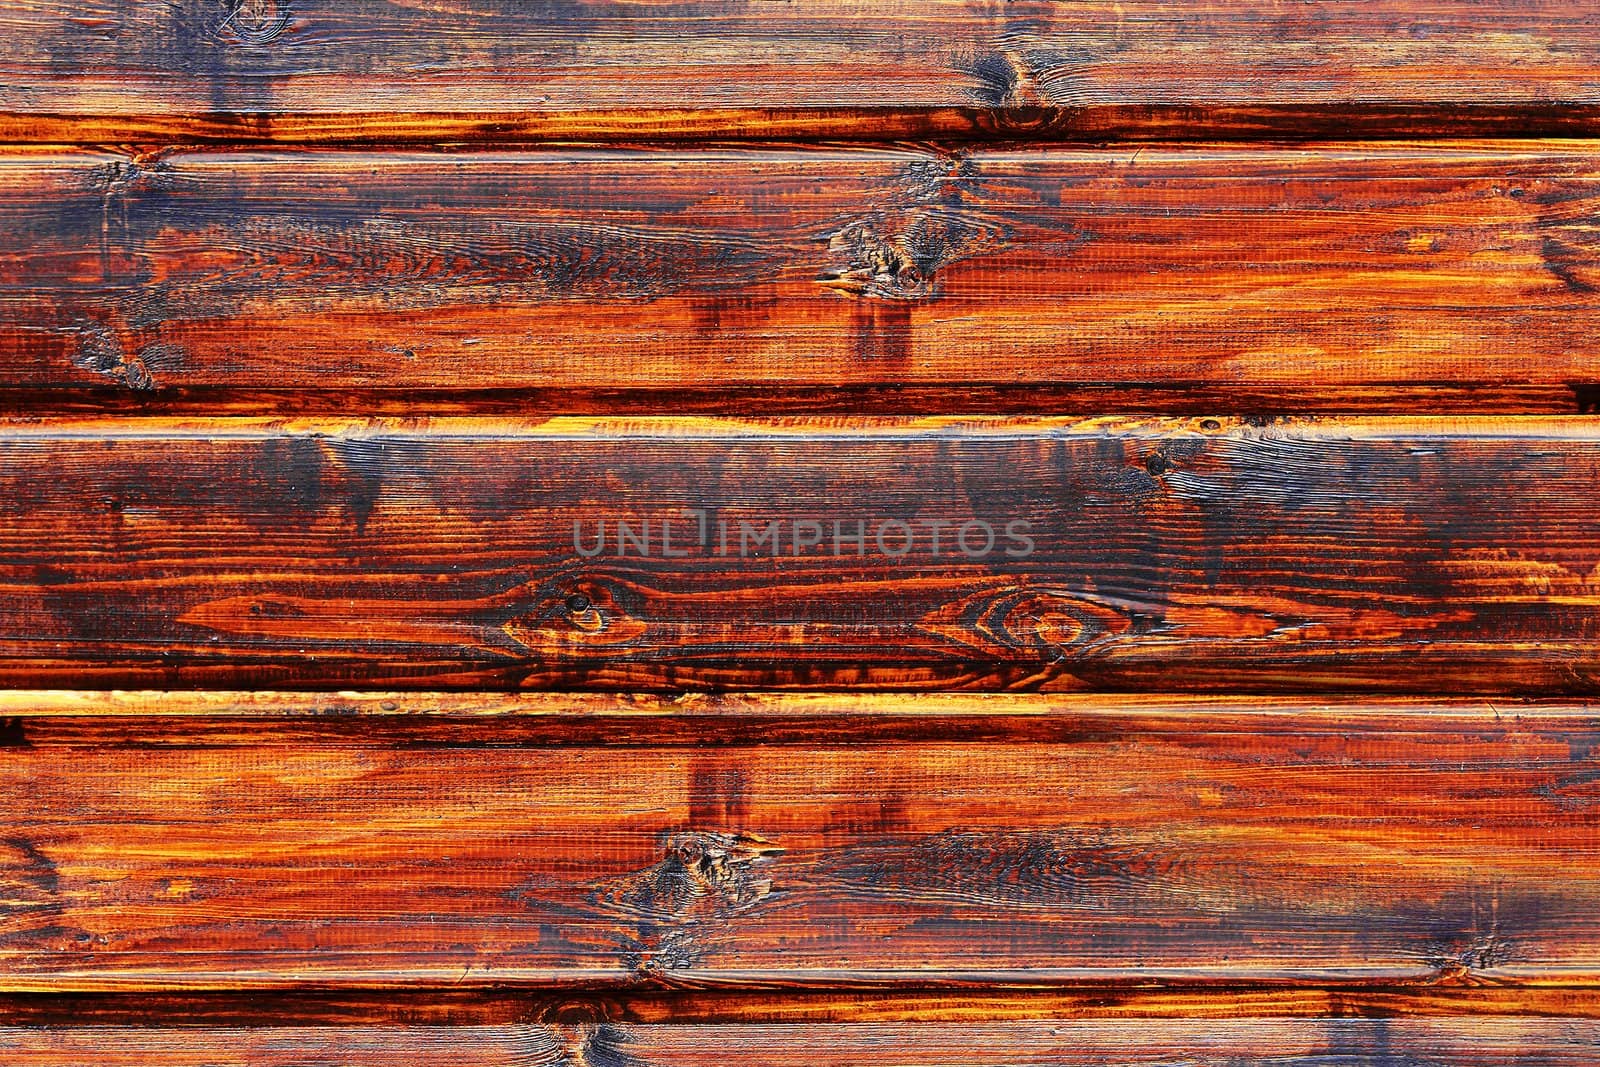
(1400, 554)
(467, 1004)
(121, 70)
(831, 842)
(1190, 278)
(816, 208)
(1505, 1042)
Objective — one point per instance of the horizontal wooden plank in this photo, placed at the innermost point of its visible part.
(94, 718)
(1045, 841)
(471, 1005)
(1537, 1042)
(984, 553)
(1171, 279)
(116, 70)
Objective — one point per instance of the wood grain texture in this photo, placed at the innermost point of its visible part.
(1165, 278)
(1157, 1043)
(1028, 841)
(119, 70)
(1322, 263)
(1403, 554)
(470, 1005)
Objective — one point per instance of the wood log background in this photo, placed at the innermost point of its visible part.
(306, 70)
(1070, 1044)
(660, 554)
(435, 622)
(1193, 278)
(794, 841)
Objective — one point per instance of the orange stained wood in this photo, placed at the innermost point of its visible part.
(1194, 278)
(1153, 1043)
(1408, 554)
(141, 70)
(659, 533)
(223, 842)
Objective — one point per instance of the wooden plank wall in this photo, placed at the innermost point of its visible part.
(699, 532)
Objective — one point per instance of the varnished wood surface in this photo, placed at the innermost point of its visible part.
(259, 841)
(322, 324)
(1421, 555)
(468, 1005)
(1512, 1042)
(120, 70)
(1201, 279)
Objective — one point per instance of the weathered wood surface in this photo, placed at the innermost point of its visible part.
(1179, 279)
(471, 1005)
(841, 210)
(1512, 1042)
(119, 70)
(822, 841)
(1404, 554)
